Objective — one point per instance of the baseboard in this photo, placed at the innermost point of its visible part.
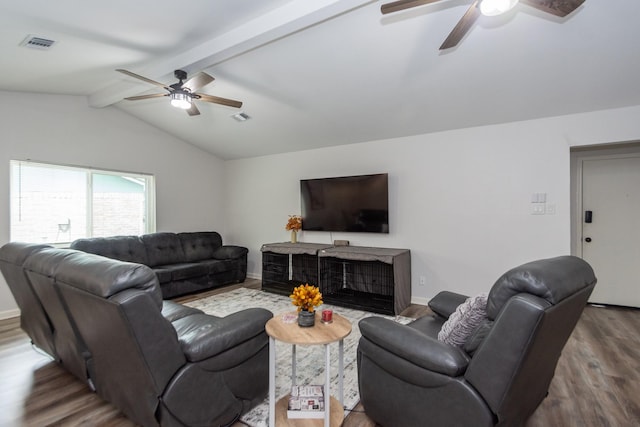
(8, 314)
(419, 300)
(254, 276)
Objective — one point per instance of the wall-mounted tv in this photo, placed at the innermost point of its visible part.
(348, 203)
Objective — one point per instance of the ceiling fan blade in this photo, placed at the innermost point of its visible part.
(193, 111)
(402, 5)
(463, 25)
(218, 100)
(139, 97)
(196, 82)
(559, 8)
(144, 79)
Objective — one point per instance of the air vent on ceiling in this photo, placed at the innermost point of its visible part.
(241, 116)
(37, 42)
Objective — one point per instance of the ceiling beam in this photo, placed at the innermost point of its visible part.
(287, 19)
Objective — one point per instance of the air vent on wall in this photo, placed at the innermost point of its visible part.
(37, 42)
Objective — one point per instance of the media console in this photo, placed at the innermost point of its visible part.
(364, 278)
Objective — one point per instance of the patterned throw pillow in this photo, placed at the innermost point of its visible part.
(464, 321)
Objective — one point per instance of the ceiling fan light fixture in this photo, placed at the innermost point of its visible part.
(181, 99)
(496, 7)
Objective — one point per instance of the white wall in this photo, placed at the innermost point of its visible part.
(459, 200)
(64, 130)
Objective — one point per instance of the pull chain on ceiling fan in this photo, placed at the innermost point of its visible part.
(182, 94)
(559, 8)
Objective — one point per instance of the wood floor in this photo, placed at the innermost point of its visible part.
(597, 382)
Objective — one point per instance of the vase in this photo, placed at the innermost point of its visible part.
(294, 236)
(306, 318)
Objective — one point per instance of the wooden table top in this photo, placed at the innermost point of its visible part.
(320, 333)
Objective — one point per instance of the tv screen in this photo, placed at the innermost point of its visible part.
(349, 203)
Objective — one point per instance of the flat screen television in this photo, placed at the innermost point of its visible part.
(348, 203)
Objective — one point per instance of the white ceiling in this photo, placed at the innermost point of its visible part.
(325, 72)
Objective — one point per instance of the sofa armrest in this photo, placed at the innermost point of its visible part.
(414, 346)
(445, 303)
(230, 252)
(173, 311)
(202, 336)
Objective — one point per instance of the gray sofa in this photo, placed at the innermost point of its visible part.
(499, 376)
(161, 363)
(183, 262)
(33, 319)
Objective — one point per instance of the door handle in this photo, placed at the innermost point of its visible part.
(588, 239)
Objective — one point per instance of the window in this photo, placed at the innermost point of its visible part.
(58, 204)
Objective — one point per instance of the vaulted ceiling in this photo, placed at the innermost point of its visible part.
(324, 72)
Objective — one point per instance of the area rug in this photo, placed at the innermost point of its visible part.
(310, 366)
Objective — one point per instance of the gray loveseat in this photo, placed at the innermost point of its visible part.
(407, 377)
(161, 363)
(183, 262)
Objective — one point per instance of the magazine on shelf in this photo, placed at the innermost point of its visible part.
(306, 402)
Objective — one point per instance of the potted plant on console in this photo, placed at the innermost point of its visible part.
(294, 224)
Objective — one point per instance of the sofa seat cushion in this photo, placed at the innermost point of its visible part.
(184, 270)
(163, 275)
(217, 266)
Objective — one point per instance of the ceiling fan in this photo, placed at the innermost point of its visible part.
(183, 93)
(559, 8)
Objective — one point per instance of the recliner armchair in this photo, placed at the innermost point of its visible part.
(33, 318)
(160, 363)
(409, 378)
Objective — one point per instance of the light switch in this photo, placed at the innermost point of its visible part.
(539, 198)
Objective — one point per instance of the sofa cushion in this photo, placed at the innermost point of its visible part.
(200, 245)
(230, 252)
(163, 275)
(105, 277)
(215, 266)
(446, 302)
(428, 325)
(123, 248)
(183, 271)
(464, 321)
(163, 249)
(553, 279)
(477, 337)
(17, 252)
(173, 311)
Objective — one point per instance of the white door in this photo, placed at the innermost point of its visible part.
(611, 241)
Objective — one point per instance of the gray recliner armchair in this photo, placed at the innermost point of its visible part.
(160, 363)
(33, 317)
(407, 377)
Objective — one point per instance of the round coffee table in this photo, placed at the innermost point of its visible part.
(319, 334)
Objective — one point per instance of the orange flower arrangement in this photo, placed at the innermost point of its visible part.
(306, 297)
(294, 223)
